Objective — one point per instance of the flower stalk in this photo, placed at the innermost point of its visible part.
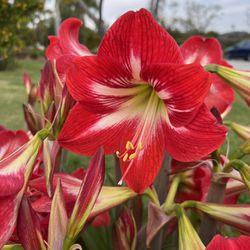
(171, 193)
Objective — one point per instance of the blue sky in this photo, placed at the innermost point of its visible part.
(233, 12)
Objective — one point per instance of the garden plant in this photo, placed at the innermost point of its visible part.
(160, 111)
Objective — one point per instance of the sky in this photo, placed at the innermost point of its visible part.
(232, 15)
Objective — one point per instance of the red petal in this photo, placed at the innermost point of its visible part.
(195, 182)
(27, 82)
(67, 41)
(101, 220)
(201, 50)
(137, 40)
(28, 223)
(54, 49)
(88, 193)
(199, 138)
(8, 216)
(145, 167)
(96, 81)
(84, 132)
(70, 186)
(58, 220)
(182, 87)
(11, 141)
(221, 243)
(221, 95)
(11, 174)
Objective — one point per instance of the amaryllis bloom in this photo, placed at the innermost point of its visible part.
(224, 243)
(66, 46)
(194, 183)
(66, 43)
(137, 98)
(16, 167)
(206, 51)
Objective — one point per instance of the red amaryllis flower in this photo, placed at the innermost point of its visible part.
(67, 41)
(194, 180)
(194, 183)
(64, 47)
(222, 243)
(15, 171)
(206, 51)
(137, 98)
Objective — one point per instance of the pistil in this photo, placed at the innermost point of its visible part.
(151, 114)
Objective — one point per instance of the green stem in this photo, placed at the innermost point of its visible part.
(227, 123)
(172, 192)
(216, 161)
(211, 68)
(152, 195)
(67, 243)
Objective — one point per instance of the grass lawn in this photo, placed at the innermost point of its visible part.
(12, 95)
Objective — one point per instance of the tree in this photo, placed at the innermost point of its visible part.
(14, 26)
(155, 7)
(198, 16)
(80, 9)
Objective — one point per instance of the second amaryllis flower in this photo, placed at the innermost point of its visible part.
(205, 51)
(138, 99)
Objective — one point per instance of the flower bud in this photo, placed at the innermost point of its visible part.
(125, 231)
(242, 131)
(239, 80)
(244, 170)
(232, 215)
(188, 237)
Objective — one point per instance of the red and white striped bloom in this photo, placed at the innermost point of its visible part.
(137, 98)
(205, 51)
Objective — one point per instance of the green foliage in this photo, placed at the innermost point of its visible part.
(14, 30)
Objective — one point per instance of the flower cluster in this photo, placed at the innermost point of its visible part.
(159, 109)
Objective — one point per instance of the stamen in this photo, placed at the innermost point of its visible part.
(125, 157)
(129, 145)
(132, 156)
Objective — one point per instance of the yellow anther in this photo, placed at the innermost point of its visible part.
(129, 145)
(132, 156)
(140, 146)
(125, 157)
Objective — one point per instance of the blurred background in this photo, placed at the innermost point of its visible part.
(26, 24)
